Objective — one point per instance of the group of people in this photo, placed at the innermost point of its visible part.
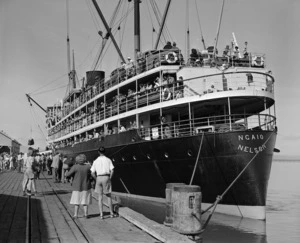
(8, 162)
(82, 175)
(100, 173)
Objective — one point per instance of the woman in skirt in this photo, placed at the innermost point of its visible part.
(81, 194)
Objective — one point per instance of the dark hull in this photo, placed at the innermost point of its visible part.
(144, 167)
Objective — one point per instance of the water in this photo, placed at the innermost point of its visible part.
(283, 213)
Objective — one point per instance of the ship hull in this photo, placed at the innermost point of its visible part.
(143, 168)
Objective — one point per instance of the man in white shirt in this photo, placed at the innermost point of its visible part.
(102, 171)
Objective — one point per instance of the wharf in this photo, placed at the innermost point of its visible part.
(47, 217)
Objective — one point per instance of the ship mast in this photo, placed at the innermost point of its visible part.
(71, 75)
(137, 29)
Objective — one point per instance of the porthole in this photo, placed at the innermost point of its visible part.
(190, 153)
(166, 155)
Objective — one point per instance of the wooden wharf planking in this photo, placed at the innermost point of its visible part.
(51, 216)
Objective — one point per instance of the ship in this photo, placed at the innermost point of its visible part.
(165, 118)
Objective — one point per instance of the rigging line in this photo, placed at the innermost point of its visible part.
(52, 81)
(151, 20)
(156, 13)
(187, 19)
(49, 90)
(98, 55)
(197, 159)
(124, 27)
(166, 30)
(94, 19)
(218, 30)
(101, 55)
(123, 17)
(89, 54)
(220, 197)
(114, 15)
(36, 121)
(101, 60)
(197, 10)
(104, 40)
(222, 174)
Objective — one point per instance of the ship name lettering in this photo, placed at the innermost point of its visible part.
(251, 150)
(251, 137)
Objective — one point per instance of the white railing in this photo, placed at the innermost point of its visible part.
(211, 124)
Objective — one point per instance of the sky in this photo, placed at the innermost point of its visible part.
(33, 51)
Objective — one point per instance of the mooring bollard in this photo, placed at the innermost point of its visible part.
(186, 209)
(169, 205)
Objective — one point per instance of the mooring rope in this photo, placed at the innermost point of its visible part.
(220, 197)
(197, 160)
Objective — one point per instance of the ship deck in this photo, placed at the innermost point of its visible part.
(47, 217)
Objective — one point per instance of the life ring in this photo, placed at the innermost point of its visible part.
(166, 94)
(171, 57)
(258, 61)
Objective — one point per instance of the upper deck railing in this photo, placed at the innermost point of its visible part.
(148, 61)
(172, 91)
(182, 128)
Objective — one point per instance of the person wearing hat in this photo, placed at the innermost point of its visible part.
(81, 185)
(168, 46)
(102, 171)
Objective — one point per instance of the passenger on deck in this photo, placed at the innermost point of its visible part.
(165, 80)
(236, 52)
(167, 132)
(193, 56)
(130, 94)
(226, 51)
(122, 128)
(156, 84)
(142, 89)
(149, 87)
(168, 46)
(245, 52)
(174, 46)
(178, 94)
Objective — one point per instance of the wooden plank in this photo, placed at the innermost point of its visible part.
(17, 232)
(159, 231)
(7, 216)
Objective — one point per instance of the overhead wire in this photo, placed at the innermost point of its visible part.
(56, 88)
(166, 33)
(94, 18)
(198, 16)
(47, 84)
(152, 25)
(124, 28)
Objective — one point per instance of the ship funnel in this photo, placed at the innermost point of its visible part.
(93, 77)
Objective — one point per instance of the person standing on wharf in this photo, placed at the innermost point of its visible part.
(102, 170)
(29, 178)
